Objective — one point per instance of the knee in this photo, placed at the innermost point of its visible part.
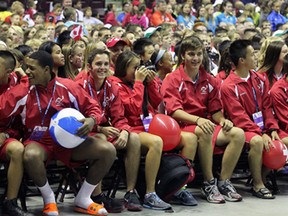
(134, 141)
(205, 138)
(256, 144)
(15, 150)
(156, 145)
(238, 135)
(107, 150)
(188, 140)
(31, 155)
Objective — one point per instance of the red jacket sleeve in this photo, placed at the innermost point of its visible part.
(156, 19)
(111, 19)
(133, 102)
(279, 101)
(14, 98)
(236, 111)
(171, 96)
(155, 97)
(116, 112)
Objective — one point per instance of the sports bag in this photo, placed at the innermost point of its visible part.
(175, 171)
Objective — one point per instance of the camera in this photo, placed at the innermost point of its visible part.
(150, 66)
(212, 55)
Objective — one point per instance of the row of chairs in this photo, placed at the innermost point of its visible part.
(69, 180)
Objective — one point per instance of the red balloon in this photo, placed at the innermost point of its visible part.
(168, 129)
(276, 157)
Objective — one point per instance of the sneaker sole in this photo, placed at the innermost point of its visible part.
(229, 199)
(155, 208)
(211, 201)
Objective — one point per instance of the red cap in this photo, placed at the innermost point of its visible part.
(135, 3)
(111, 42)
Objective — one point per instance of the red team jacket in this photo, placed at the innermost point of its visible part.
(113, 110)
(132, 99)
(279, 97)
(239, 102)
(201, 99)
(67, 94)
(6, 92)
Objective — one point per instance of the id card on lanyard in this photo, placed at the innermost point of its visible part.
(38, 130)
(146, 121)
(257, 116)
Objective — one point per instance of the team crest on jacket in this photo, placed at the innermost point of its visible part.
(204, 89)
(59, 100)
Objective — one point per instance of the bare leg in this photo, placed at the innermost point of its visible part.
(235, 139)
(14, 151)
(205, 153)
(188, 145)
(132, 160)
(154, 144)
(34, 157)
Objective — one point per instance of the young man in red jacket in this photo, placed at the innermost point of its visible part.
(10, 148)
(246, 101)
(46, 96)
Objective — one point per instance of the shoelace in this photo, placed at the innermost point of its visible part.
(156, 198)
(229, 186)
(212, 188)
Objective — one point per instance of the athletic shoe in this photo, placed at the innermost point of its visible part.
(11, 208)
(184, 197)
(132, 202)
(111, 205)
(153, 201)
(211, 192)
(229, 192)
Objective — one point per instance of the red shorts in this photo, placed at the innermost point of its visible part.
(3, 156)
(138, 129)
(191, 129)
(57, 152)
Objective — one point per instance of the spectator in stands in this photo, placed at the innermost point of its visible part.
(117, 31)
(185, 19)
(15, 36)
(55, 14)
(140, 18)
(58, 58)
(227, 15)
(246, 101)
(136, 29)
(10, 148)
(116, 47)
(275, 17)
(191, 96)
(104, 34)
(126, 8)
(161, 16)
(110, 15)
(74, 59)
(89, 19)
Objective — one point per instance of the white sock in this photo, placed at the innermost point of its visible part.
(47, 193)
(83, 199)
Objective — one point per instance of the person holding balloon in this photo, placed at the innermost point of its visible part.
(191, 97)
(248, 104)
(47, 95)
(114, 125)
(140, 96)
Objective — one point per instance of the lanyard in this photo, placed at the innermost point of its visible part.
(48, 106)
(255, 99)
(104, 104)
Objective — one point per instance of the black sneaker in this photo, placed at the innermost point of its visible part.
(132, 202)
(111, 205)
(184, 198)
(10, 208)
